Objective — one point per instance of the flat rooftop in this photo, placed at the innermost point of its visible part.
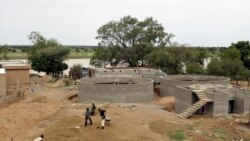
(140, 70)
(216, 89)
(2, 71)
(13, 63)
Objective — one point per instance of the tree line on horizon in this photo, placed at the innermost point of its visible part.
(141, 44)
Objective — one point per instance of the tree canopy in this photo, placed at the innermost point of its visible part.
(228, 64)
(47, 55)
(132, 38)
(244, 49)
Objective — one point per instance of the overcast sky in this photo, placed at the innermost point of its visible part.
(75, 22)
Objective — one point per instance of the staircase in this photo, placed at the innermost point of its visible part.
(203, 100)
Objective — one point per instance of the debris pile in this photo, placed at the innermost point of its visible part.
(129, 107)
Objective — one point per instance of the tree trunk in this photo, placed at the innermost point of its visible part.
(248, 83)
(131, 64)
(104, 64)
(142, 63)
(237, 82)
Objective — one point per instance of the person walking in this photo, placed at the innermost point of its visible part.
(93, 109)
(88, 117)
(102, 115)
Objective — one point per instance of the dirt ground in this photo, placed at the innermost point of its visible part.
(48, 111)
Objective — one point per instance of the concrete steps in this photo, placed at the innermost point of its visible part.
(203, 100)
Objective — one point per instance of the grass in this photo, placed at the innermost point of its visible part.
(73, 55)
(176, 135)
(17, 55)
(205, 133)
(81, 54)
(190, 127)
(193, 126)
(221, 133)
(196, 124)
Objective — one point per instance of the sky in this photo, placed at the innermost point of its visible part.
(75, 22)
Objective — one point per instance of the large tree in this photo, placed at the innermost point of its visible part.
(101, 57)
(244, 48)
(133, 36)
(228, 64)
(169, 59)
(47, 55)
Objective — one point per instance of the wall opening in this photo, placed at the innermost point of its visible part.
(194, 98)
(231, 106)
(201, 111)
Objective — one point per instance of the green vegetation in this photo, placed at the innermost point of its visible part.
(80, 53)
(76, 71)
(205, 133)
(176, 135)
(221, 133)
(47, 55)
(145, 43)
(232, 62)
(20, 52)
(131, 40)
(4, 53)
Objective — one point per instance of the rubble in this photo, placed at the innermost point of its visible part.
(131, 107)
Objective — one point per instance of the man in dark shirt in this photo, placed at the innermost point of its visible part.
(102, 115)
(88, 117)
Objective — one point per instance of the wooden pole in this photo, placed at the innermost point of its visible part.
(18, 87)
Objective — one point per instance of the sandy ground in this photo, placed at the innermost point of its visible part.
(126, 125)
(58, 119)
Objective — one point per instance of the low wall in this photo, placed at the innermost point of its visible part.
(2, 84)
(124, 90)
(242, 101)
(153, 74)
(220, 106)
(183, 99)
(169, 82)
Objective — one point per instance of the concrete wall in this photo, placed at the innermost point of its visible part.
(183, 99)
(2, 83)
(169, 82)
(153, 74)
(17, 74)
(13, 76)
(139, 92)
(242, 102)
(220, 104)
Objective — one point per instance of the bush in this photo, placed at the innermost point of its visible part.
(76, 71)
(194, 68)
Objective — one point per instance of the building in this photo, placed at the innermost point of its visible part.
(204, 95)
(16, 74)
(2, 82)
(169, 83)
(211, 99)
